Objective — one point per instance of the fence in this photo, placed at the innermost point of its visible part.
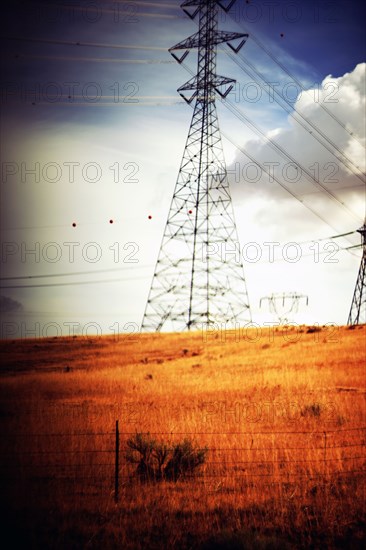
(97, 460)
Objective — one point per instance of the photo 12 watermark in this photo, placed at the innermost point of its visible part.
(266, 332)
(271, 251)
(69, 251)
(90, 92)
(23, 330)
(68, 172)
(269, 412)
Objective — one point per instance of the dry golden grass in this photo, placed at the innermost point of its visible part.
(282, 413)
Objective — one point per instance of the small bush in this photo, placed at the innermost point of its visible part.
(184, 459)
(157, 461)
(313, 410)
(311, 330)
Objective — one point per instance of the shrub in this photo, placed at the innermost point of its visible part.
(313, 410)
(311, 330)
(157, 461)
(184, 459)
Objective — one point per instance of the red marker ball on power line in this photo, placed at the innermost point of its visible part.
(150, 217)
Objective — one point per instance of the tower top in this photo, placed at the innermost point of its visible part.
(206, 40)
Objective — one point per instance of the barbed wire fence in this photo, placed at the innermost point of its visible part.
(81, 462)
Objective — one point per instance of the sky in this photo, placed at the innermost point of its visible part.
(92, 134)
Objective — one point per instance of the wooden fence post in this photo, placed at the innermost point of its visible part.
(116, 465)
(325, 453)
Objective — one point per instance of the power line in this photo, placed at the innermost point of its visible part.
(121, 104)
(354, 246)
(296, 114)
(280, 64)
(124, 101)
(90, 59)
(77, 283)
(328, 238)
(281, 184)
(133, 278)
(239, 114)
(86, 44)
(130, 17)
(75, 273)
(168, 5)
(283, 67)
(78, 224)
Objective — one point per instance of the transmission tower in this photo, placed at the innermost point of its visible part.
(199, 277)
(357, 314)
(289, 303)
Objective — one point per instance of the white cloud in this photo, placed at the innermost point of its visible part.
(266, 212)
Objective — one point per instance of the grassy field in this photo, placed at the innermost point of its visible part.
(282, 413)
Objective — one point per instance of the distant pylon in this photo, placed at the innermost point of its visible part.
(290, 304)
(198, 278)
(357, 314)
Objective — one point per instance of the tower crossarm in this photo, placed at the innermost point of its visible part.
(362, 232)
(216, 82)
(218, 37)
(225, 5)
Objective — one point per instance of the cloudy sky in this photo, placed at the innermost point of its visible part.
(92, 133)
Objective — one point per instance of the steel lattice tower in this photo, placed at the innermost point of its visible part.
(198, 278)
(357, 314)
(291, 300)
